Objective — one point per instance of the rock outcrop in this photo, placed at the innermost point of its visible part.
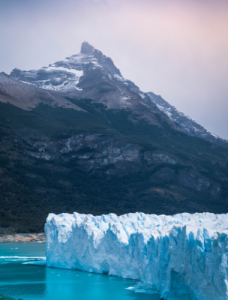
(22, 238)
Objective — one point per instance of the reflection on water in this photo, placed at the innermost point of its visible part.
(25, 281)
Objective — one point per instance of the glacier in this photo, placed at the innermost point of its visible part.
(183, 256)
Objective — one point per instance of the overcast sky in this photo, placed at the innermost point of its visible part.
(175, 48)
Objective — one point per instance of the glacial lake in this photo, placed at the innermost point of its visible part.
(21, 280)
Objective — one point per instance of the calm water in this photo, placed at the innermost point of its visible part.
(21, 280)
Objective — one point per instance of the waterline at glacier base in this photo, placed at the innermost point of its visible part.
(182, 256)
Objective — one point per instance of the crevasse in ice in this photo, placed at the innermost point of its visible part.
(183, 256)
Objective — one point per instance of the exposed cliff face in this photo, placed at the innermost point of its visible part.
(94, 152)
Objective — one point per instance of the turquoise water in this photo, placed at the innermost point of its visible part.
(21, 280)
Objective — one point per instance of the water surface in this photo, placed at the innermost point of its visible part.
(21, 280)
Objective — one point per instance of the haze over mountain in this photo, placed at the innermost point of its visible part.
(77, 136)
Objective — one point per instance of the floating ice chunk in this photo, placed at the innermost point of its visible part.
(36, 262)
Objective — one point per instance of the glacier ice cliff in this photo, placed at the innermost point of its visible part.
(183, 256)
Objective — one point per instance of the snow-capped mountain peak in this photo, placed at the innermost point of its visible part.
(92, 75)
(65, 75)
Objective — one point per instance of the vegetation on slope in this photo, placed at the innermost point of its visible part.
(33, 187)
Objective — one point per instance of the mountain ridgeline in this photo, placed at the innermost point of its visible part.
(77, 136)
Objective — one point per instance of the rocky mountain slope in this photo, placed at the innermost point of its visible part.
(185, 123)
(27, 96)
(100, 146)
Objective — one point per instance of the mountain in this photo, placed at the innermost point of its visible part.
(91, 74)
(77, 136)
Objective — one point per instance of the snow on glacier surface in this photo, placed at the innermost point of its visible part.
(183, 256)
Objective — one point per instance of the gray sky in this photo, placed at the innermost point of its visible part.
(175, 48)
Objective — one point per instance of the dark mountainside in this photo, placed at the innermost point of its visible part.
(79, 137)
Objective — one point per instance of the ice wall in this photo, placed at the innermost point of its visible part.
(183, 256)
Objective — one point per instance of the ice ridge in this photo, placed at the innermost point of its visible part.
(183, 256)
